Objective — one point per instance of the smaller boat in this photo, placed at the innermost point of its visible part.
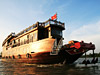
(75, 49)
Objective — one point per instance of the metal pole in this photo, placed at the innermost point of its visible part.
(57, 16)
(85, 56)
(93, 55)
(85, 59)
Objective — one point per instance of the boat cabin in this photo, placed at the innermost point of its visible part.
(36, 32)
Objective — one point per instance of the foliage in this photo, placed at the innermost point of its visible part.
(91, 55)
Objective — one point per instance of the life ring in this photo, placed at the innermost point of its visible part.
(19, 56)
(28, 55)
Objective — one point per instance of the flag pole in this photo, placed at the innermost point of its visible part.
(56, 15)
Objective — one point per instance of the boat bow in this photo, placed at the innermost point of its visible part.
(75, 47)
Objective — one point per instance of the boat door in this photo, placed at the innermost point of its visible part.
(54, 49)
(57, 46)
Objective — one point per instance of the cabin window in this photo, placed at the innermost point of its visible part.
(35, 35)
(18, 42)
(6, 48)
(56, 32)
(24, 41)
(42, 33)
(27, 38)
(21, 42)
(31, 38)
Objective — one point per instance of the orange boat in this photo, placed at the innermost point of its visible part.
(42, 43)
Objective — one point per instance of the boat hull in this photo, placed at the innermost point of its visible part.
(71, 58)
(37, 58)
(45, 58)
(65, 54)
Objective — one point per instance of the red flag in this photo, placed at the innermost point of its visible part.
(54, 17)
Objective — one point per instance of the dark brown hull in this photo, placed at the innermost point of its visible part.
(45, 58)
(37, 58)
(71, 58)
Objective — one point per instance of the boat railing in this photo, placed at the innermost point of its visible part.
(54, 22)
(18, 43)
(28, 29)
(42, 24)
(8, 37)
(48, 22)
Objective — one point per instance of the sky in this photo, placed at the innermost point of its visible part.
(81, 17)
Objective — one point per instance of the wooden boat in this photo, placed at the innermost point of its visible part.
(42, 43)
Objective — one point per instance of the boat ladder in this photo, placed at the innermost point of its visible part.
(56, 47)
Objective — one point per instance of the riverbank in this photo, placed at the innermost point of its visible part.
(91, 55)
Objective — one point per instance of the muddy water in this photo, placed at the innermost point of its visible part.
(55, 69)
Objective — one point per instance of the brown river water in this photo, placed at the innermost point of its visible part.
(54, 69)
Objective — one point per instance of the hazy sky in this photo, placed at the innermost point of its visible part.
(81, 17)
